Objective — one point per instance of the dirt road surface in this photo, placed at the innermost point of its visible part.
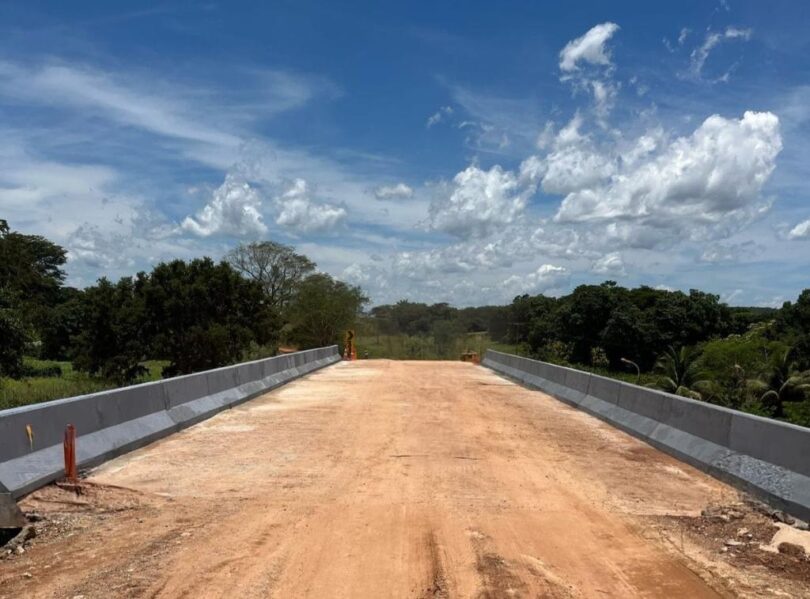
(388, 479)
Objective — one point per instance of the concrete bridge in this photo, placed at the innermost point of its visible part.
(379, 478)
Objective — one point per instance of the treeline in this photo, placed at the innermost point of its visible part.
(692, 344)
(594, 322)
(198, 314)
(442, 323)
(752, 359)
(608, 322)
(194, 315)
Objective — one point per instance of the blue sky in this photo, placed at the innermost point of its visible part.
(462, 152)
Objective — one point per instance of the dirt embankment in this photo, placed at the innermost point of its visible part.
(401, 479)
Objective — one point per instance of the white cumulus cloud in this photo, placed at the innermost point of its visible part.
(716, 174)
(234, 209)
(609, 264)
(480, 201)
(589, 48)
(800, 231)
(298, 212)
(590, 51)
(573, 162)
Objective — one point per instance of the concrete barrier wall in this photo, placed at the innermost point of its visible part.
(765, 457)
(117, 421)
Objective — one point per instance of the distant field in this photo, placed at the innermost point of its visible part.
(37, 389)
(406, 347)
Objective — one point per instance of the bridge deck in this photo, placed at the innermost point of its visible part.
(384, 479)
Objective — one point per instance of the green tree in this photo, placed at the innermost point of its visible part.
(498, 323)
(322, 310)
(30, 273)
(627, 334)
(112, 343)
(276, 267)
(201, 315)
(12, 339)
(796, 316)
(706, 317)
(197, 314)
(529, 320)
(411, 318)
(784, 382)
(793, 324)
(583, 315)
(680, 373)
(62, 325)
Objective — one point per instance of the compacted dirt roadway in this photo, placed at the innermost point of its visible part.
(384, 479)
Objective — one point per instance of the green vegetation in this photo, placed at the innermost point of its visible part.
(679, 373)
(182, 317)
(424, 347)
(416, 331)
(751, 359)
(322, 310)
(187, 316)
(68, 383)
(276, 267)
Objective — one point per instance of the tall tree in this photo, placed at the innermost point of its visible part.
(583, 315)
(30, 277)
(276, 267)
(201, 315)
(793, 322)
(112, 342)
(527, 319)
(62, 325)
(12, 339)
(322, 310)
(30, 273)
(627, 335)
(198, 315)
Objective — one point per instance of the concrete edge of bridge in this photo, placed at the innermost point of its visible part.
(10, 514)
(111, 423)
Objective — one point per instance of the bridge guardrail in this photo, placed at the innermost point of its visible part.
(113, 422)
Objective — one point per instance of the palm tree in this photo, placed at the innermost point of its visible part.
(680, 373)
(784, 382)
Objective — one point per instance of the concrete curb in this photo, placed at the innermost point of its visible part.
(114, 422)
(767, 458)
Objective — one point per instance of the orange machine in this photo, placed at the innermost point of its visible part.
(350, 353)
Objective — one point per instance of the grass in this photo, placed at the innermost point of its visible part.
(30, 390)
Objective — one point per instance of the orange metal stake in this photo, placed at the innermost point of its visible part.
(71, 472)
